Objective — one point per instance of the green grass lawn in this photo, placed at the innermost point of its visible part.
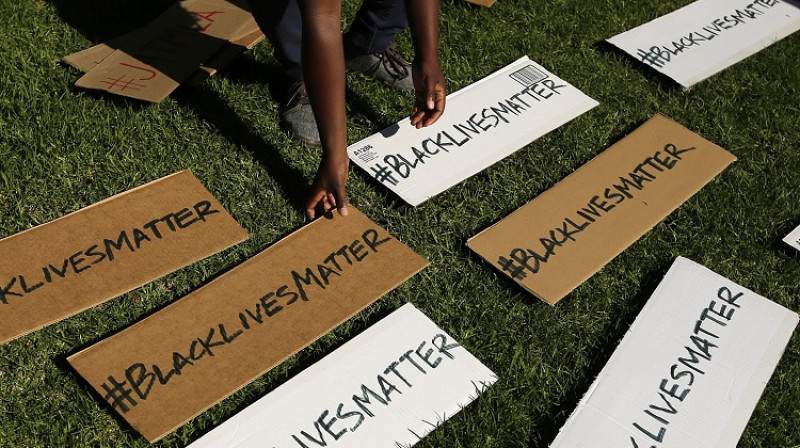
(62, 149)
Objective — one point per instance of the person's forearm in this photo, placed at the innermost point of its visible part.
(423, 19)
(324, 73)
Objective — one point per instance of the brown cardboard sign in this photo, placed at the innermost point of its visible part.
(65, 266)
(486, 3)
(247, 38)
(152, 62)
(178, 362)
(563, 236)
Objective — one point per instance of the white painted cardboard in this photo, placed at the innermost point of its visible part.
(482, 123)
(793, 238)
(320, 400)
(707, 36)
(645, 374)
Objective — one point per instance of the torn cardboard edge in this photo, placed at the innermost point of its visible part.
(703, 38)
(562, 237)
(109, 248)
(689, 371)
(413, 375)
(156, 374)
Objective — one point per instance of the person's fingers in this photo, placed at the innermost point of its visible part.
(311, 207)
(417, 115)
(437, 110)
(340, 198)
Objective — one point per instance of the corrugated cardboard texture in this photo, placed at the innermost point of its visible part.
(85, 258)
(150, 63)
(558, 240)
(178, 362)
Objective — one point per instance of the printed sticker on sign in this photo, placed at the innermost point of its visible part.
(483, 123)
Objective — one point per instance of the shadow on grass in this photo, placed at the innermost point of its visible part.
(652, 75)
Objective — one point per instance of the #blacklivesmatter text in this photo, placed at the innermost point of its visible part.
(674, 389)
(137, 381)
(522, 261)
(401, 375)
(396, 167)
(106, 251)
(659, 55)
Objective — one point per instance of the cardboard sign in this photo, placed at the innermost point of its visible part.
(690, 370)
(555, 242)
(63, 267)
(793, 238)
(482, 124)
(247, 38)
(152, 62)
(486, 3)
(701, 39)
(389, 386)
(183, 359)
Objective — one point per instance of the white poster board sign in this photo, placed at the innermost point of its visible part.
(482, 123)
(699, 40)
(793, 238)
(690, 370)
(389, 386)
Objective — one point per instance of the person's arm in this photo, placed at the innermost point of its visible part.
(429, 85)
(324, 73)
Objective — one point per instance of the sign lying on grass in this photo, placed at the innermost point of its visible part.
(63, 267)
(701, 39)
(389, 386)
(555, 242)
(151, 62)
(793, 238)
(247, 37)
(690, 370)
(482, 124)
(183, 359)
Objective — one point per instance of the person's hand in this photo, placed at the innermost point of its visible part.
(430, 93)
(327, 191)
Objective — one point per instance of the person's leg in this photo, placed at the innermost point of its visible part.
(368, 46)
(375, 24)
(281, 22)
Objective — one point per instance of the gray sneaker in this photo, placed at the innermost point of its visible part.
(387, 66)
(297, 116)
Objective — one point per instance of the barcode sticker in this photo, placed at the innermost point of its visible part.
(528, 75)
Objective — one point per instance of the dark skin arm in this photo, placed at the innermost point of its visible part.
(322, 47)
(429, 87)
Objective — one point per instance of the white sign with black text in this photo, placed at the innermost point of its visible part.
(707, 36)
(793, 238)
(482, 123)
(689, 371)
(389, 386)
